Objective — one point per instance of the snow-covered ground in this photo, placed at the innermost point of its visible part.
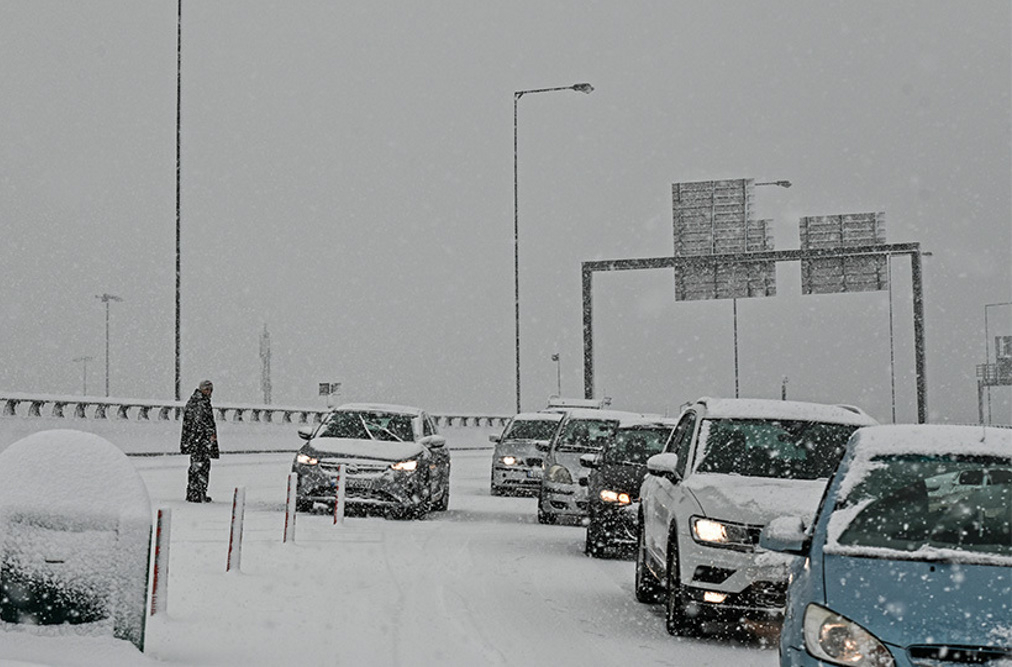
(480, 584)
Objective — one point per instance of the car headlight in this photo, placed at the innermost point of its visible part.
(615, 497)
(720, 533)
(306, 459)
(559, 475)
(840, 641)
(509, 460)
(405, 466)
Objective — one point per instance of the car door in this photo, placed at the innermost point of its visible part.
(669, 494)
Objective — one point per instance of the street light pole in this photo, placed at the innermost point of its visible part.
(106, 298)
(581, 88)
(84, 361)
(179, 110)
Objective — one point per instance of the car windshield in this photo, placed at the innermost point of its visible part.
(585, 435)
(635, 445)
(369, 426)
(779, 449)
(531, 429)
(907, 502)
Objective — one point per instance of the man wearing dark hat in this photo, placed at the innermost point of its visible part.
(200, 440)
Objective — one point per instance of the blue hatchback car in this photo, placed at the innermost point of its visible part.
(905, 565)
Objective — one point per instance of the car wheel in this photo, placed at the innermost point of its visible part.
(676, 619)
(444, 500)
(303, 505)
(648, 589)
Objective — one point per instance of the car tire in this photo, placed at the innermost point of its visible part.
(303, 505)
(444, 500)
(648, 588)
(676, 619)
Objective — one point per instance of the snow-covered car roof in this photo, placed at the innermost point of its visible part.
(539, 416)
(646, 421)
(379, 407)
(759, 408)
(931, 439)
(594, 413)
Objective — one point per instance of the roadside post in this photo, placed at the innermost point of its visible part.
(235, 533)
(160, 574)
(339, 484)
(290, 509)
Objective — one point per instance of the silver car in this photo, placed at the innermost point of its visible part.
(517, 463)
(395, 461)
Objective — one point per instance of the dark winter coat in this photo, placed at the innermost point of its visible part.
(199, 438)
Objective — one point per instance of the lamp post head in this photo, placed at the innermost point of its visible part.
(782, 184)
(583, 88)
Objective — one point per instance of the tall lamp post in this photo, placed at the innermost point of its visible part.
(106, 298)
(179, 111)
(558, 374)
(84, 361)
(581, 88)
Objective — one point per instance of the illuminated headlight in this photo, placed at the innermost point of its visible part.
(509, 460)
(839, 641)
(405, 466)
(306, 460)
(719, 533)
(615, 497)
(714, 596)
(559, 475)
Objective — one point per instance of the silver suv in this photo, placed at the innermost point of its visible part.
(517, 463)
(731, 466)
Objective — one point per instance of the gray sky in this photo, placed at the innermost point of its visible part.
(347, 180)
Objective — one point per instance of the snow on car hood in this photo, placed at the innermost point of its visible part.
(905, 602)
(382, 450)
(755, 500)
(519, 448)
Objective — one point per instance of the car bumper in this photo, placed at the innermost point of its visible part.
(617, 524)
(387, 489)
(517, 479)
(749, 585)
(564, 500)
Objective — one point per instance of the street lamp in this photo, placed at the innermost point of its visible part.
(580, 88)
(84, 361)
(558, 374)
(106, 298)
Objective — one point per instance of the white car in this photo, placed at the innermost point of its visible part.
(731, 466)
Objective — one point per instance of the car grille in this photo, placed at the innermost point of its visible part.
(534, 462)
(941, 656)
(356, 468)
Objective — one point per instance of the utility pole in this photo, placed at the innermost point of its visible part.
(106, 298)
(84, 361)
(265, 365)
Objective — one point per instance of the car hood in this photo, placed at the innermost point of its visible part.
(571, 460)
(916, 602)
(365, 449)
(620, 478)
(755, 500)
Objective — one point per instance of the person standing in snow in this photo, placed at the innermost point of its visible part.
(199, 439)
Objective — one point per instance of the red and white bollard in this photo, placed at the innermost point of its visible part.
(160, 576)
(293, 481)
(339, 493)
(235, 533)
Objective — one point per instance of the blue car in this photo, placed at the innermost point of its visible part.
(904, 565)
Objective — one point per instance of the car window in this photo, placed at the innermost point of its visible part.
(530, 429)
(585, 435)
(779, 449)
(682, 440)
(369, 426)
(902, 502)
(635, 445)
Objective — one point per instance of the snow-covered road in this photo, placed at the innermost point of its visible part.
(481, 584)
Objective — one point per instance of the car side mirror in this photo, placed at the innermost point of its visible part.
(590, 461)
(785, 534)
(664, 465)
(433, 441)
(542, 445)
(306, 432)
(494, 437)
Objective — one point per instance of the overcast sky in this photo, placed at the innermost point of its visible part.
(347, 181)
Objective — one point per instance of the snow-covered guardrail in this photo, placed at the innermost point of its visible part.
(91, 407)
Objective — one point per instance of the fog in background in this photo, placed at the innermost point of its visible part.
(347, 182)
